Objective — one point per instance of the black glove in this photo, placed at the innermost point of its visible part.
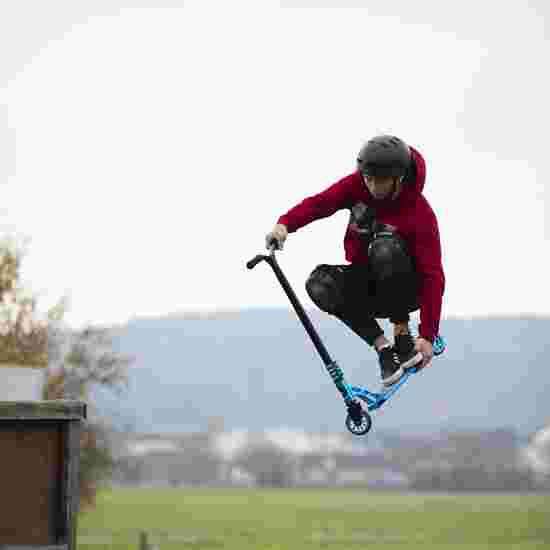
(363, 219)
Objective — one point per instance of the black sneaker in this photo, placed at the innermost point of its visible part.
(390, 367)
(408, 356)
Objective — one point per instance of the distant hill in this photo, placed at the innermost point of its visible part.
(258, 369)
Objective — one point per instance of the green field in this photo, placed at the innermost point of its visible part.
(241, 519)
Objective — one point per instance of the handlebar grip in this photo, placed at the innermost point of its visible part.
(255, 261)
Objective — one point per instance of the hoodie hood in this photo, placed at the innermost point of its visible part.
(420, 173)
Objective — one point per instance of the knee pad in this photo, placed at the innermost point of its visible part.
(325, 287)
(388, 257)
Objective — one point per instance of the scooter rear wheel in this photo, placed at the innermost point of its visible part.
(363, 427)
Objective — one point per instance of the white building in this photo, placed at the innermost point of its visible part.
(537, 453)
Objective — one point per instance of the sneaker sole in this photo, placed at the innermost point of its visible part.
(413, 361)
(395, 377)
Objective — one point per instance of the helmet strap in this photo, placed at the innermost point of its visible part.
(397, 182)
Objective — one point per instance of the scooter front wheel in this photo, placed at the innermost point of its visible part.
(363, 427)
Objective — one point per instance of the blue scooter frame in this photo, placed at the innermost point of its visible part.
(358, 420)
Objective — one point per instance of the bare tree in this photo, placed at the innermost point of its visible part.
(77, 360)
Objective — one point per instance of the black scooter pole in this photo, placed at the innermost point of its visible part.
(335, 372)
(356, 415)
(300, 311)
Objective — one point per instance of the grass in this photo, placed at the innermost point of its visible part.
(336, 519)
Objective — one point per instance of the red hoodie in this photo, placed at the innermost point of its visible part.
(410, 213)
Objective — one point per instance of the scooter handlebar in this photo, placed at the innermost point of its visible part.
(260, 257)
(255, 261)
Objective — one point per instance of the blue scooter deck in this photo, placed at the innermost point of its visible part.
(375, 400)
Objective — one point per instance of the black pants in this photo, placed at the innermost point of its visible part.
(357, 295)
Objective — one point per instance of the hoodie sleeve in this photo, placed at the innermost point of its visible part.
(427, 254)
(321, 205)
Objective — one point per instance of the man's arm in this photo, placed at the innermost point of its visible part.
(321, 205)
(427, 254)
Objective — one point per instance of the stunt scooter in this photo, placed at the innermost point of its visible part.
(358, 419)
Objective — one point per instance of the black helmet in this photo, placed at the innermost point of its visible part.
(384, 156)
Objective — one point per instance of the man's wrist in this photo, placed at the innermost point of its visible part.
(424, 336)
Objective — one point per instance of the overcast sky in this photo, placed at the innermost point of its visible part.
(147, 151)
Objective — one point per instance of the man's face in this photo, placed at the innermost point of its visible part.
(380, 187)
